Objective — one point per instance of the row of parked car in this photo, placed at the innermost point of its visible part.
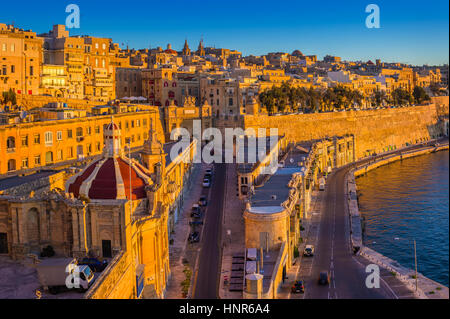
(199, 208)
(207, 178)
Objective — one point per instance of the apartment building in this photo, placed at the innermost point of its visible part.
(20, 60)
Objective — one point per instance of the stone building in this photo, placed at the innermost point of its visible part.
(90, 63)
(116, 208)
(21, 60)
(32, 145)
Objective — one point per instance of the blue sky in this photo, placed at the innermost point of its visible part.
(411, 31)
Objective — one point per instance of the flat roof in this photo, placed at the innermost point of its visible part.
(15, 181)
(274, 191)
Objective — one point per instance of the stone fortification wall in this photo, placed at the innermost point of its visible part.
(374, 130)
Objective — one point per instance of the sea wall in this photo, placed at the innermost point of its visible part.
(374, 130)
(426, 288)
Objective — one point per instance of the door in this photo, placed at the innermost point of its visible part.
(3, 243)
(106, 249)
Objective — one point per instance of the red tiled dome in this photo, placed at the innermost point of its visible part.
(101, 180)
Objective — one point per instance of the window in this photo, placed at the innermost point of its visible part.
(4, 47)
(37, 160)
(230, 101)
(59, 136)
(25, 141)
(31, 70)
(60, 155)
(96, 45)
(48, 157)
(48, 138)
(97, 130)
(13, 68)
(70, 152)
(89, 148)
(69, 133)
(13, 47)
(88, 130)
(25, 162)
(11, 142)
(37, 139)
(138, 123)
(97, 147)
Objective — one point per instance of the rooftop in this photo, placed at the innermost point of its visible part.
(15, 181)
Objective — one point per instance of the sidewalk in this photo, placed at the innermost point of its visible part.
(177, 250)
(232, 221)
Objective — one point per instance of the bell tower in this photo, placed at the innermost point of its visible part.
(153, 152)
(111, 137)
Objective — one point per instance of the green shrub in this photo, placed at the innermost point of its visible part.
(296, 252)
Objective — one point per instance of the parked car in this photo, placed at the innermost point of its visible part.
(209, 171)
(196, 211)
(203, 201)
(298, 287)
(324, 278)
(194, 237)
(206, 183)
(208, 176)
(95, 264)
(308, 251)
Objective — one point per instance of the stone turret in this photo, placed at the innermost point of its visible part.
(201, 49)
(186, 50)
(153, 152)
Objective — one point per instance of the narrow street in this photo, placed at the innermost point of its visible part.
(206, 276)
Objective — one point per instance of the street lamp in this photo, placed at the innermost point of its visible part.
(415, 258)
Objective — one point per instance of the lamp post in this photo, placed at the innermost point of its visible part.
(415, 260)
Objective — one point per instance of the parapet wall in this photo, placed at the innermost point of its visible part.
(34, 101)
(374, 130)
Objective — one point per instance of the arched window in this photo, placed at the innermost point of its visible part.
(167, 102)
(166, 84)
(11, 142)
(11, 165)
(174, 84)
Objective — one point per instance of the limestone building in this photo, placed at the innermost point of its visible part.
(20, 60)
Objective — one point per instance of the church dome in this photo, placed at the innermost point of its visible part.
(113, 176)
(297, 53)
(169, 50)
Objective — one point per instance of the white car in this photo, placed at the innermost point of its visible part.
(206, 183)
(309, 251)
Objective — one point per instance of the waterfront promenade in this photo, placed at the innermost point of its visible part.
(335, 242)
(426, 288)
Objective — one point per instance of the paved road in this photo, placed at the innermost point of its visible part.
(333, 250)
(207, 280)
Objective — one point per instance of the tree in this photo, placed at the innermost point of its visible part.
(402, 97)
(379, 97)
(9, 97)
(436, 89)
(420, 95)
